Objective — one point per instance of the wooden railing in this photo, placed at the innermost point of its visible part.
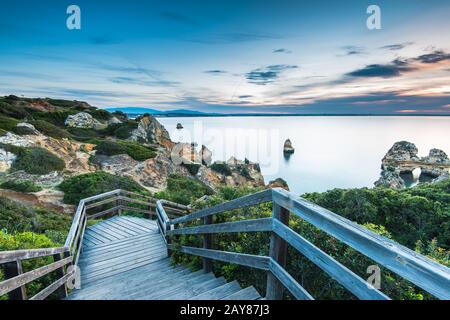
(421, 271)
(110, 203)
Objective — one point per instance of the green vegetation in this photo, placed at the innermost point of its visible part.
(221, 168)
(83, 134)
(90, 184)
(57, 118)
(23, 131)
(21, 186)
(135, 150)
(183, 189)
(192, 167)
(123, 131)
(7, 124)
(34, 160)
(100, 114)
(416, 217)
(50, 129)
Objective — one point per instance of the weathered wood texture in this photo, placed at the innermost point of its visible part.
(246, 201)
(287, 281)
(249, 260)
(278, 253)
(425, 273)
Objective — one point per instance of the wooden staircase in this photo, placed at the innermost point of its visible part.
(125, 258)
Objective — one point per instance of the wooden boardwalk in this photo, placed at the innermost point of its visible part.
(126, 258)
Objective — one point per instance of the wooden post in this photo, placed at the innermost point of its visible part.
(13, 269)
(61, 292)
(118, 204)
(207, 244)
(168, 239)
(278, 252)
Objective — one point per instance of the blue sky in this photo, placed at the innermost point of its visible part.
(231, 56)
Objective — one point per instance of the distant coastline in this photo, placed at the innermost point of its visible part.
(132, 113)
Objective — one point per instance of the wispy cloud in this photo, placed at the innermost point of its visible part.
(144, 82)
(215, 72)
(282, 50)
(353, 50)
(269, 74)
(397, 46)
(394, 69)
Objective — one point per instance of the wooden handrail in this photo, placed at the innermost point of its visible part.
(9, 256)
(418, 269)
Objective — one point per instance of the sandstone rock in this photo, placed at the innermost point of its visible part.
(150, 131)
(114, 120)
(6, 160)
(401, 151)
(278, 183)
(16, 140)
(436, 156)
(206, 155)
(288, 148)
(390, 178)
(49, 199)
(83, 120)
(185, 153)
(402, 158)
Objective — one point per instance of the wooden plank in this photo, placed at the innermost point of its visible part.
(290, 283)
(352, 282)
(112, 230)
(249, 260)
(101, 196)
(101, 236)
(160, 208)
(248, 293)
(425, 273)
(102, 202)
(135, 226)
(246, 201)
(16, 282)
(9, 256)
(13, 269)
(102, 213)
(80, 245)
(43, 294)
(74, 226)
(118, 222)
(81, 228)
(278, 253)
(207, 244)
(256, 225)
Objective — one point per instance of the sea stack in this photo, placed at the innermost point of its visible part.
(288, 148)
(179, 126)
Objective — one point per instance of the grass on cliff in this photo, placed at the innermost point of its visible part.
(221, 167)
(34, 160)
(25, 186)
(183, 189)
(135, 150)
(90, 184)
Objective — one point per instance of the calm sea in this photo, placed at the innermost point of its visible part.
(330, 152)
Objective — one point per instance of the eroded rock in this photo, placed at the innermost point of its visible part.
(83, 120)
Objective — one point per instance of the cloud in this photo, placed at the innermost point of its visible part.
(353, 50)
(269, 74)
(434, 57)
(143, 82)
(282, 50)
(394, 69)
(397, 46)
(245, 96)
(235, 37)
(215, 72)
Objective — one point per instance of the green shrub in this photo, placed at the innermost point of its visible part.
(13, 111)
(87, 185)
(183, 189)
(8, 124)
(29, 240)
(15, 217)
(192, 167)
(83, 134)
(221, 168)
(21, 186)
(135, 150)
(100, 114)
(34, 160)
(57, 118)
(49, 129)
(125, 129)
(23, 131)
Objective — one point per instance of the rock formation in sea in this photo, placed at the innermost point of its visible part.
(288, 148)
(403, 158)
(179, 126)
